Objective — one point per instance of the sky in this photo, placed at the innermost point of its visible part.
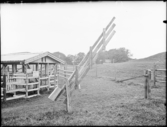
(71, 28)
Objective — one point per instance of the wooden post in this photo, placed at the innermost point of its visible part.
(65, 71)
(147, 80)
(16, 67)
(4, 87)
(37, 69)
(13, 68)
(26, 83)
(55, 75)
(153, 75)
(149, 83)
(47, 74)
(76, 78)
(23, 70)
(104, 38)
(145, 87)
(96, 70)
(38, 92)
(90, 57)
(41, 75)
(58, 76)
(68, 107)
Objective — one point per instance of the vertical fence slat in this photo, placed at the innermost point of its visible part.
(4, 88)
(154, 80)
(146, 82)
(26, 83)
(68, 106)
(90, 57)
(76, 77)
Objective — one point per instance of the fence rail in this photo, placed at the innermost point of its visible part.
(155, 76)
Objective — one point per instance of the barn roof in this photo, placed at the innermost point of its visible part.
(27, 57)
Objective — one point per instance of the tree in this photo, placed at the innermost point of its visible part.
(116, 55)
(119, 55)
(79, 57)
(60, 55)
(101, 57)
(69, 59)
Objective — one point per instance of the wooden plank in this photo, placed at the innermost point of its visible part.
(4, 88)
(68, 97)
(52, 81)
(146, 83)
(54, 95)
(19, 75)
(83, 71)
(15, 90)
(160, 81)
(96, 42)
(109, 31)
(32, 95)
(160, 69)
(90, 57)
(72, 75)
(97, 48)
(33, 83)
(76, 77)
(83, 67)
(18, 78)
(109, 38)
(102, 33)
(51, 76)
(33, 89)
(68, 71)
(43, 86)
(26, 82)
(47, 72)
(112, 20)
(15, 97)
(53, 86)
(42, 78)
(162, 76)
(16, 83)
(86, 71)
(84, 60)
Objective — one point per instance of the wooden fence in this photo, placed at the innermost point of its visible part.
(25, 85)
(158, 78)
(75, 78)
(3, 87)
(149, 77)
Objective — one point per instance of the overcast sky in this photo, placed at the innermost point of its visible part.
(74, 27)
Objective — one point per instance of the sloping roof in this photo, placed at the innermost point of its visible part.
(28, 57)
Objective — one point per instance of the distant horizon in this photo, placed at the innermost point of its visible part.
(73, 54)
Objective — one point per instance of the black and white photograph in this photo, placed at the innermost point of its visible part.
(80, 63)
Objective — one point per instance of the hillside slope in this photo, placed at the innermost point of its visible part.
(160, 57)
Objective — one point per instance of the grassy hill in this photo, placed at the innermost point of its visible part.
(100, 101)
(160, 57)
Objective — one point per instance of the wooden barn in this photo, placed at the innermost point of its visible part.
(24, 74)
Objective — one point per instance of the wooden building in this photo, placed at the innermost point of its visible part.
(27, 73)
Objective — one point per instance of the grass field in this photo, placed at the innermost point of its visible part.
(99, 101)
